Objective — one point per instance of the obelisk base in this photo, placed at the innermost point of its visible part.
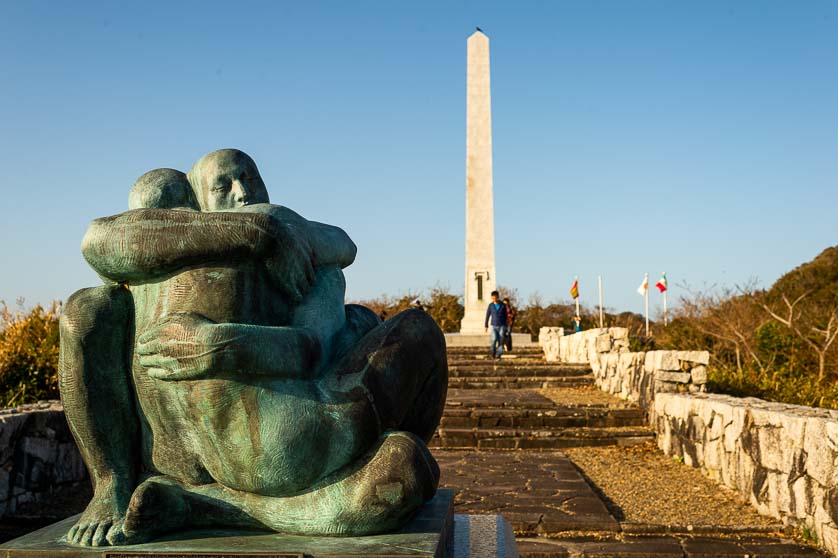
(482, 340)
(473, 320)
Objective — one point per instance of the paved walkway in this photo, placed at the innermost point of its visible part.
(575, 470)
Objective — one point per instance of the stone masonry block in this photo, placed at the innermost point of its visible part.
(667, 360)
(822, 456)
(674, 377)
(697, 357)
(40, 448)
(619, 332)
(603, 343)
(649, 362)
(665, 387)
(699, 374)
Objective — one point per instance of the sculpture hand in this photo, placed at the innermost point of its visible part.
(291, 266)
(183, 347)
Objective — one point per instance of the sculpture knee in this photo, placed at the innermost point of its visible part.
(89, 309)
(95, 324)
(421, 342)
(412, 374)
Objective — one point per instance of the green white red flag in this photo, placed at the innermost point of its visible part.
(661, 285)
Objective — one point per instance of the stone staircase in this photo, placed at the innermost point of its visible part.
(494, 404)
(523, 403)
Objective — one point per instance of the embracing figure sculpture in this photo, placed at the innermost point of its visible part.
(218, 379)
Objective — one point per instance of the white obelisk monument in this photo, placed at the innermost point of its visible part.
(480, 224)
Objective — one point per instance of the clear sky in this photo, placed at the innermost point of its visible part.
(696, 138)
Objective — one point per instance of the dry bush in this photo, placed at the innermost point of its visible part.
(442, 305)
(762, 344)
(28, 354)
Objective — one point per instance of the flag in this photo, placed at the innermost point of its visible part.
(574, 290)
(644, 287)
(661, 285)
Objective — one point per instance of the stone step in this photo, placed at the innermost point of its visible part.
(488, 362)
(558, 438)
(539, 493)
(689, 545)
(597, 417)
(518, 382)
(576, 398)
(521, 351)
(470, 371)
(513, 363)
(482, 348)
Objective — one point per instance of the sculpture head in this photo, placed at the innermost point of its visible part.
(162, 189)
(227, 179)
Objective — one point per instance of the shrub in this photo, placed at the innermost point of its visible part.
(28, 354)
(755, 350)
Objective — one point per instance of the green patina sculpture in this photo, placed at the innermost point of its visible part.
(218, 379)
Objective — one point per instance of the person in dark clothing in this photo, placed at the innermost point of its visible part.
(510, 320)
(498, 315)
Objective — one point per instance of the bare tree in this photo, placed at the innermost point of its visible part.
(803, 322)
(730, 316)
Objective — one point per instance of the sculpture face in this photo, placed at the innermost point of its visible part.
(227, 179)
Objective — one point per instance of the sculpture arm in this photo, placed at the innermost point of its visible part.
(144, 244)
(285, 352)
(330, 245)
(190, 347)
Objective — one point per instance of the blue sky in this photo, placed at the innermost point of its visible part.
(697, 138)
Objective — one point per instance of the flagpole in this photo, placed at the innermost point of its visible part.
(664, 308)
(599, 281)
(576, 282)
(646, 296)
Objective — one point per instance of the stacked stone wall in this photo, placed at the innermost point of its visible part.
(632, 376)
(38, 455)
(781, 458)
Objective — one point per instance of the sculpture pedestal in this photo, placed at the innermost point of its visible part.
(429, 534)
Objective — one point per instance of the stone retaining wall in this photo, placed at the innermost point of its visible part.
(781, 458)
(38, 455)
(581, 347)
(632, 376)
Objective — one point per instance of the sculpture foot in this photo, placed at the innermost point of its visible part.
(158, 506)
(102, 520)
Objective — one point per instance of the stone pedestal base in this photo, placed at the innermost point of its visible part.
(429, 534)
(482, 340)
(483, 536)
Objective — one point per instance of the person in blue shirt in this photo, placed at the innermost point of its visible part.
(497, 313)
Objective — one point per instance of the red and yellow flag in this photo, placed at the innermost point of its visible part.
(574, 290)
